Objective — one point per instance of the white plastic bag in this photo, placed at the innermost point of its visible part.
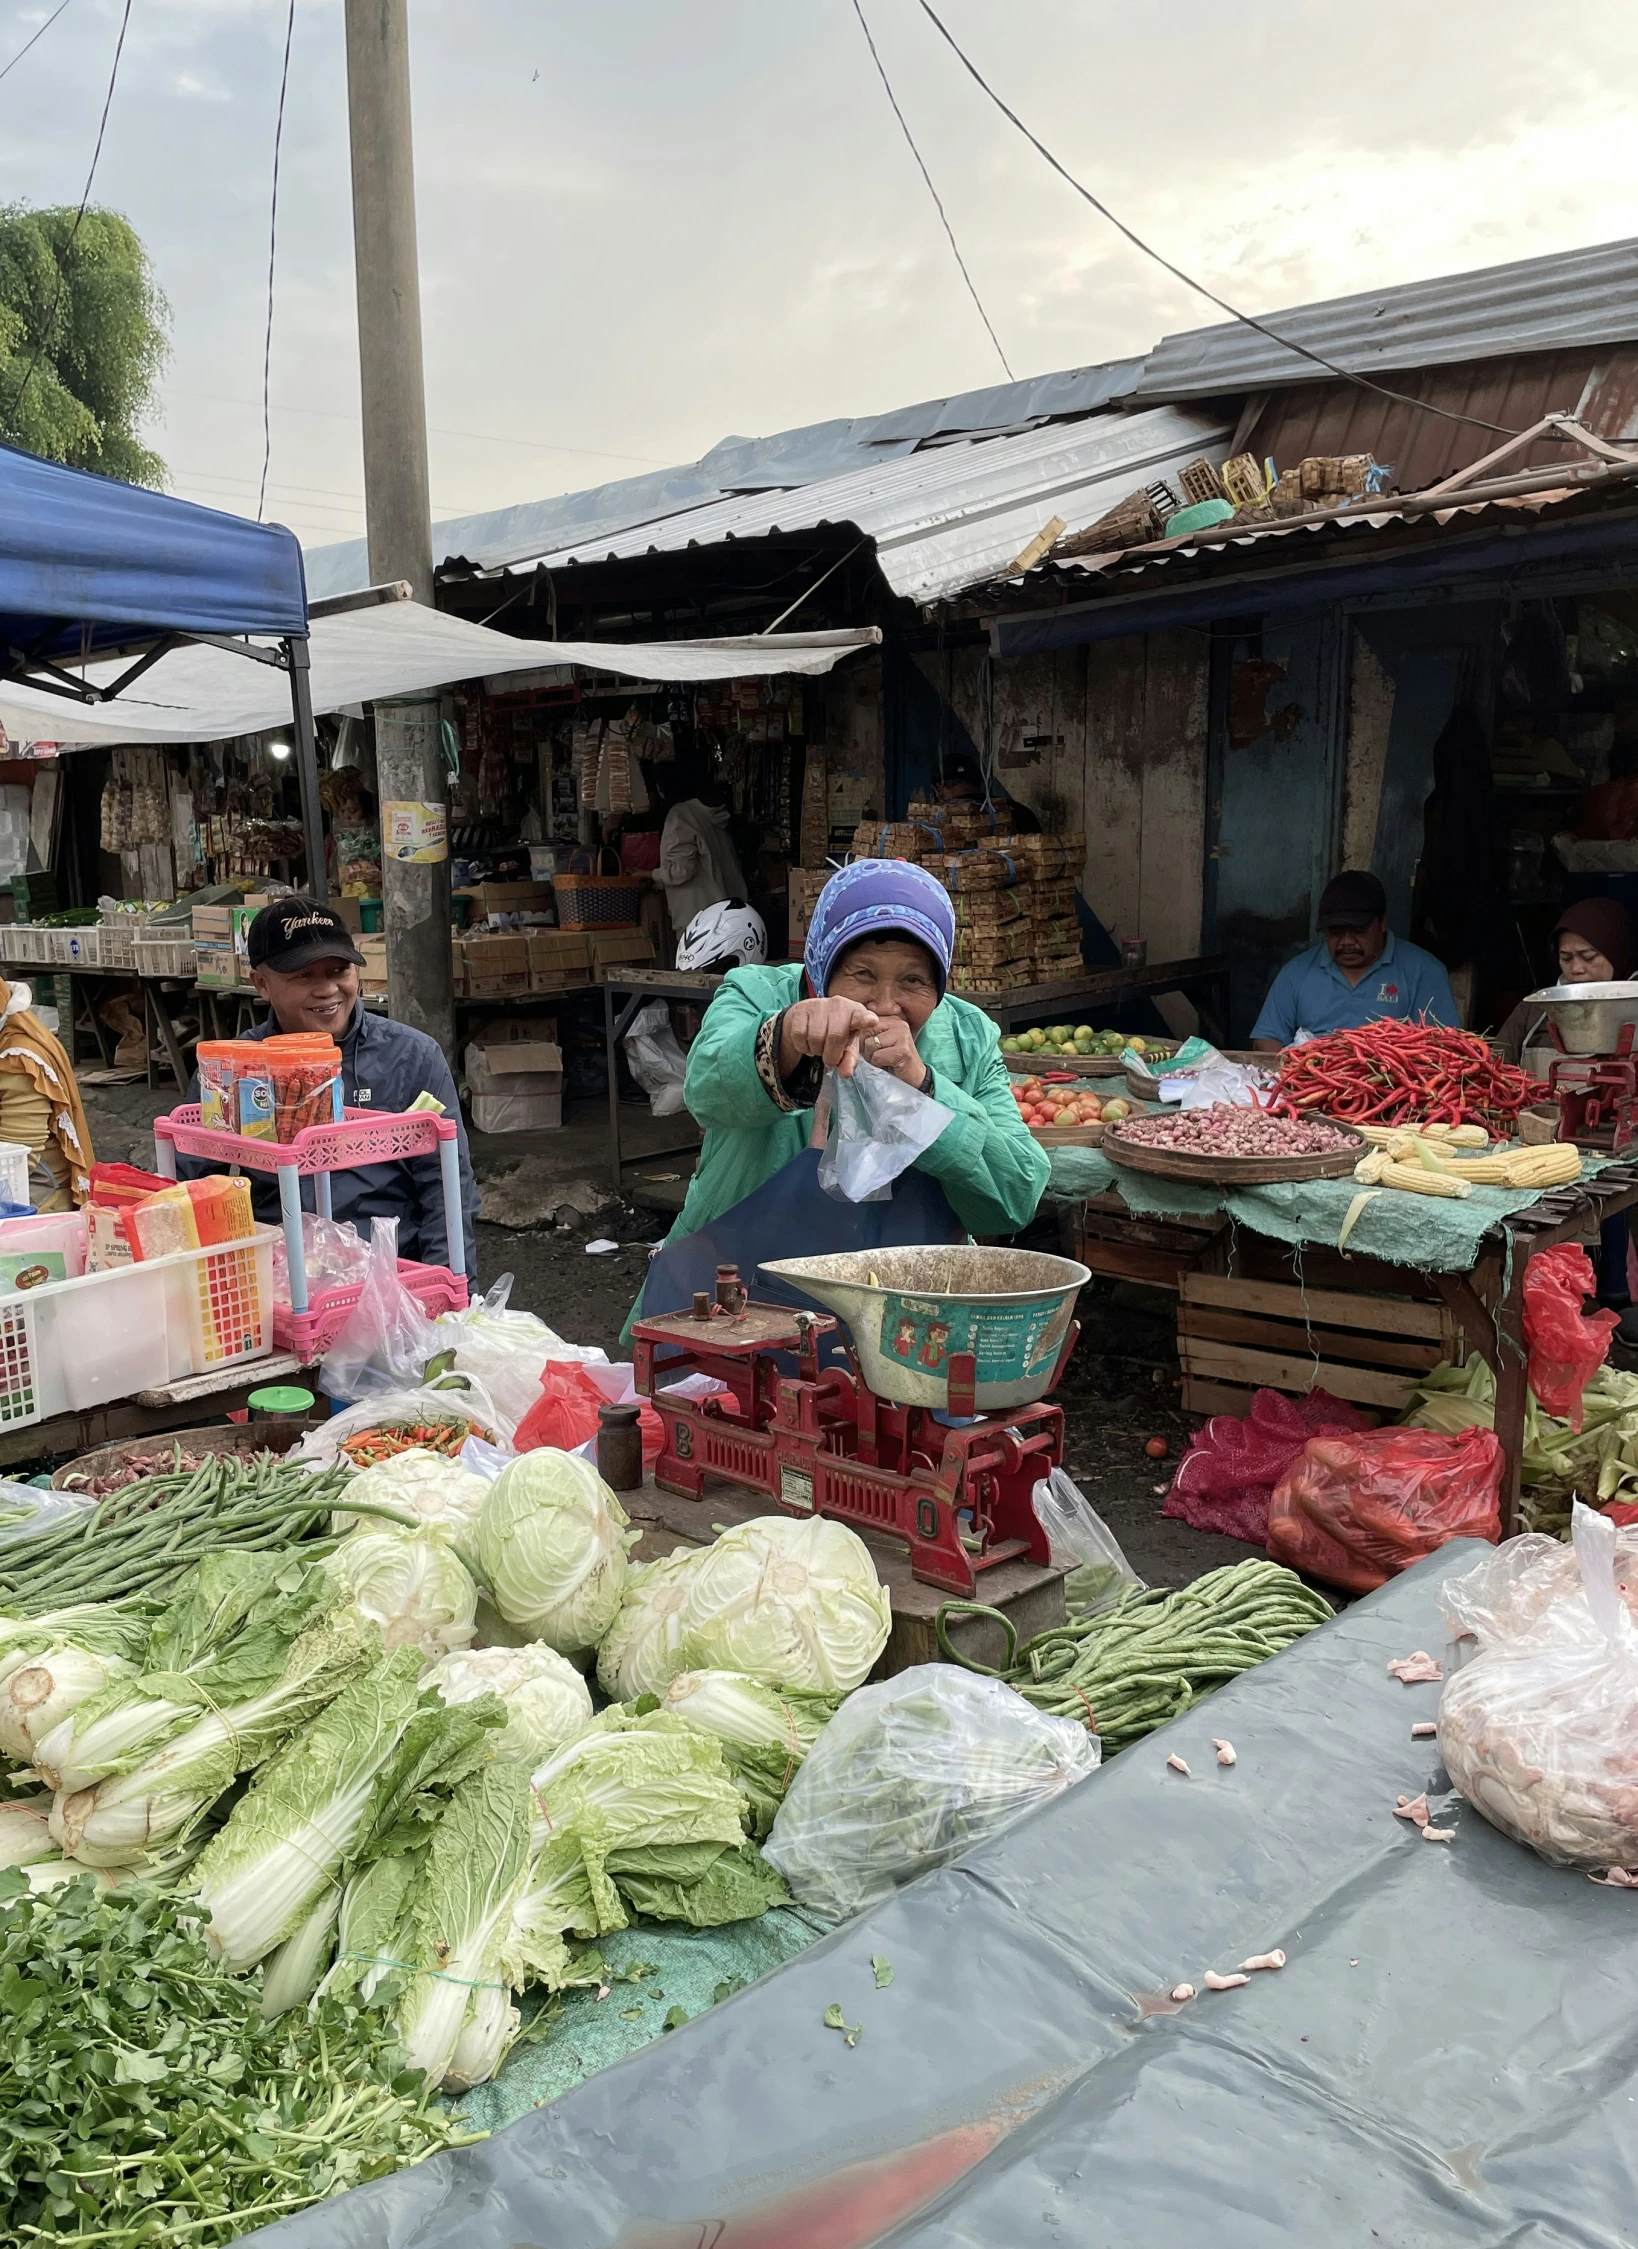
(387, 1339)
(878, 1127)
(402, 1409)
(28, 1509)
(507, 1351)
(334, 1255)
(657, 1061)
(1078, 1534)
(909, 1773)
(1540, 1730)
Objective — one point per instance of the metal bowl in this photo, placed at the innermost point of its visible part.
(1589, 1018)
(909, 1310)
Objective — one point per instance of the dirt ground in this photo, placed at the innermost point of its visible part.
(1120, 1389)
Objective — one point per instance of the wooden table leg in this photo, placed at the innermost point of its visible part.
(1512, 1386)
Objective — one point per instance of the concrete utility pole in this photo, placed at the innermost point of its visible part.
(398, 510)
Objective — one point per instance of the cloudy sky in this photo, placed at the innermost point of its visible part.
(647, 224)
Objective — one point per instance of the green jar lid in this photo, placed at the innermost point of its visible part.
(280, 1403)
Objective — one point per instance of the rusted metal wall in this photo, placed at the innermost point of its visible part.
(1598, 385)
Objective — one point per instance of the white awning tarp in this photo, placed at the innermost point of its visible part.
(201, 694)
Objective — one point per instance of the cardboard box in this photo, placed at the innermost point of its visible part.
(496, 965)
(520, 1066)
(518, 1029)
(507, 898)
(219, 968)
(513, 1112)
(557, 960)
(803, 885)
(622, 948)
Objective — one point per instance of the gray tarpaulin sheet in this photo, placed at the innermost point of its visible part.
(1451, 2055)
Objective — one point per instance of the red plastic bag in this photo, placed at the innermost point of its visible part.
(1226, 1478)
(1566, 1347)
(565, 1414)
(1354, 1511)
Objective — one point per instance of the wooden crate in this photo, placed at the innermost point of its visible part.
(1237, 1334)
(1105, 1236)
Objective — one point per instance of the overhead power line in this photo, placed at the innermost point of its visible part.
(272, 260)
(62, 258)
(944, 217)
(40, 34)
(1345, 374)
(483, 437)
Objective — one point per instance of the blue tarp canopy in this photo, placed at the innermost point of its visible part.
(88, 564)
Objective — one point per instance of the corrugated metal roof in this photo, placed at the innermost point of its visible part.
(953, 516)
(1587, 296)
(788, 459)
(1597, 384)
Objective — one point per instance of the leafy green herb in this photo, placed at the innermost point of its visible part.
(836, 2020)
(675, 2017)
(882, 1969)
(144, 2098)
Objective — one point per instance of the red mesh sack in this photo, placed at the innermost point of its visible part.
(1354, 1511)
(1566, 1346)
(564, 1416)
(1226, 1478)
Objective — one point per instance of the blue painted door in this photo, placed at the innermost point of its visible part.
(1275, 803)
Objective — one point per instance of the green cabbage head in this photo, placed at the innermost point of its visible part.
(552, 1543)
(547, 1701)
(792, 1601)
(412, 1585)
(640, 1654)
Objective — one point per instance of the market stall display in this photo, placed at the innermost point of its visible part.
(1537, 1731)
(1227, 1144)
(1125, 1669)
(1397, 1073)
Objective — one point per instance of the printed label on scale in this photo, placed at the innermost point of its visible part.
(795, 1488)
(1007, 1341)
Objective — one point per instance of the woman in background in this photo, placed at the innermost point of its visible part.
(40, 1104)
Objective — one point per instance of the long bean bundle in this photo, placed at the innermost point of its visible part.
(1151, 1655)
(143, 1539)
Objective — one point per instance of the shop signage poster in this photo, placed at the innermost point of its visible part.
(416, 832)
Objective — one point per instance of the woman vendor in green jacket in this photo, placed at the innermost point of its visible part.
(870, 988)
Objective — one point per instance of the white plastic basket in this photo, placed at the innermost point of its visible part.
(70, 1345)
(116, 946)
(163, 956)
(15, 1159)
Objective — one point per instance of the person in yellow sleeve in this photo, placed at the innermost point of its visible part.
(40, 1104)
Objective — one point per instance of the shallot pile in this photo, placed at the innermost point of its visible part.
(1224, 1130)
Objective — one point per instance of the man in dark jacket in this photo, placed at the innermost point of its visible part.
(304, 964)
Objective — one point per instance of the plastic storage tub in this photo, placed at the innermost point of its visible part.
(70, 1345)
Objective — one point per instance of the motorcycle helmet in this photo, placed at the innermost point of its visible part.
(727, 935)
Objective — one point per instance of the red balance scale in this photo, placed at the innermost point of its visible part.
(1597, 1094)
(821, 1442)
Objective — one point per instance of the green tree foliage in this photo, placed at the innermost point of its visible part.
(89, 298)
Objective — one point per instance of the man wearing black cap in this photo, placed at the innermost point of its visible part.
(1358, 973)
(305, 965)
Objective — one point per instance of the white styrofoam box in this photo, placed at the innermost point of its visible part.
(517, 1112)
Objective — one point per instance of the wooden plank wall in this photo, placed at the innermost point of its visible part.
(1109, 738)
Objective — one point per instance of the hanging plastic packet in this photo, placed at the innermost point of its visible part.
(878, 1127)
(1077, 1533)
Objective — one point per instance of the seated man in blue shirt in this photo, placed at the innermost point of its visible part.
(1358, 973)
(304, 964)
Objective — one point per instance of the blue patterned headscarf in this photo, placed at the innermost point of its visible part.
(879, 898)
